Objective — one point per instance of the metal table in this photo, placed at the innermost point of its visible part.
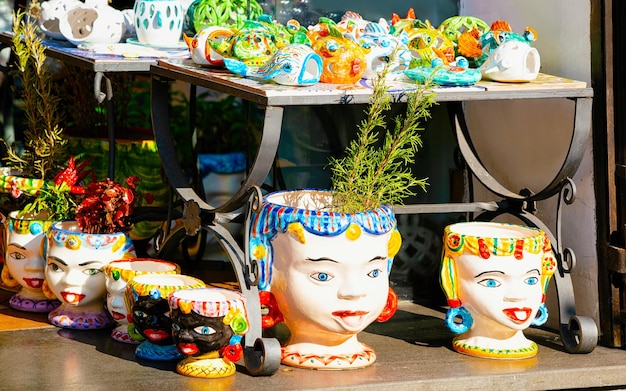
(100, 65)
(262, 355)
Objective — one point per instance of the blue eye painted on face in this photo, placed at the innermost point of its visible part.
(204, 330)
(531, 280)
(321, 276)
(375, 273)
(490, 283)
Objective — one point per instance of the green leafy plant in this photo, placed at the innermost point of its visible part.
(370, 173)
(44, 146)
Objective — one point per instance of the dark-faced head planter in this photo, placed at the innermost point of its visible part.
(207, 326)
(150, 312)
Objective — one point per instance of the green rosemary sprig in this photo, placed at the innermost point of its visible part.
(44, 147)
(370, 175)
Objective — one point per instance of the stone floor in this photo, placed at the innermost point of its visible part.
(413, 351)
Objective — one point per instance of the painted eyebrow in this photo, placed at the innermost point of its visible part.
(57, 260)
(534, 270)
(89, 263)
(16, 245)
(489, 272)
(321, 259)
(378, 258)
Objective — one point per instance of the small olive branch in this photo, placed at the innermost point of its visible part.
(370, 175)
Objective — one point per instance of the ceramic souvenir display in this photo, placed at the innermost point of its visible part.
(207, 325)
(291, 65)
(159, 22)
(24, 263)
(512, 61)
(74, 263)
(150, 312)
(200, 46)
(117, 274)
(93, 22)
(253, 44)
(495, 277)
(50, 14)
(324, 275)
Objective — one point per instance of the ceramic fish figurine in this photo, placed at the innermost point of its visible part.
(200, 46)
(458, 74)
(292, 65)
(381, 48)
(513, 61)
(343, 58)
(477, 48)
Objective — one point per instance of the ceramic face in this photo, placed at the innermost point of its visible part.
(24, 263)
(150, 309)
(495, 277)
(502, 289)
(117, 275)
(324, 275)
(24, 252)
(324, 289)
(75, 261)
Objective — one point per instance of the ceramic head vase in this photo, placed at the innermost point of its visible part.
(117, 274)
(24, 263)
(324, 275)
(208, 324)
(150, 312)
(495, 277)
(74, 274)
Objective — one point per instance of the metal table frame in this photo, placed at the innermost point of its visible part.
(100, 65)
(262, 355)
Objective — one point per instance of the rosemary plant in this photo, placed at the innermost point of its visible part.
(44, 147)
(371, 174)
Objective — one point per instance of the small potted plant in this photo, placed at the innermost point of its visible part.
(25, 230)
(323, 257)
